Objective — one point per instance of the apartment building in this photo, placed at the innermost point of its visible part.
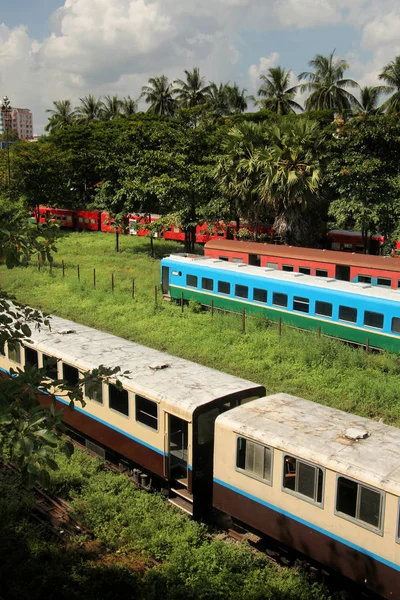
(18, 119)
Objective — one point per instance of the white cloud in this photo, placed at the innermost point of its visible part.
(264, 63)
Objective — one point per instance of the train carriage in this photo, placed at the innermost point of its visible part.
(161, 421)
(354, 312)
(320, 480)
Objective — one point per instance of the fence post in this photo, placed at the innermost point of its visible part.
(94, 278)
(367, 347)
(243, 321)
(319, 330)
(133, 288)
(212, 308)
(79, 274)
(51, 267)
(112, 282)
(155, 294)
(38, 262)
(63, 268)
(279, 326)
(182, 302)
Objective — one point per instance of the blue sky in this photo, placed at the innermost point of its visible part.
(59, 49)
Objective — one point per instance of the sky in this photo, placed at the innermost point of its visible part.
(65, 49)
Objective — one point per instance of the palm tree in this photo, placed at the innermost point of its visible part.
(276, 94)
(327, 85)
(128, 106)
(237, 99)
(89, 109)
(192, 92)
(61, 116)
(218, 99)
(111, 108)
(391, 76)
(159, 94)
(290, 176)
(369, 99)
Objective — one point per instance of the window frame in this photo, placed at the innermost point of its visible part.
(371, 312)
(391, 325)
(384, 285)
(17, 350)
(91, 399)
(346, 320)
(117, 412)
(288, 268)
(44, 355)
(189, 284)
(225, 283)
(260, 301)
(237, 295)
(206, 289)
(321, 271)
(65, 364)
(299, 495)
(141, 422)
(248, 473)
(320, 314)
(358, 521)
(308, 269)
(280, 294)
(366, 277)
(300, 300)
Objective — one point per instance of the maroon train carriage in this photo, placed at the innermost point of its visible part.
(161, 422)
(383, 271)
(320, 480)
(352, 241)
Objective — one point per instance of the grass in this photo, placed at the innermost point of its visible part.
(300, 363)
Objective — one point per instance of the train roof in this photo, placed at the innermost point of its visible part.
(293, 252)
(181, 384)
(326, 283)
(323, 435)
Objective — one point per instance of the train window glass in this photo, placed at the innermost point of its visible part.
(225, 258)
(254, 459)
(346, 313)
(359, 248)
(359, 502)
(93, 221)
(260, 295)
(80, 219)
(241, 291)
(70, 374)
(14, 352)
(364, 279)
(347, 247)
(323, 308)
(118, 400)
(287, 268)
(321, 273)
(205, 426)
(50, 366)
(373, 319)
(69, 218)
(272, 265)
(207, 284)
(31, 357)
(191, 280)
(224, 287)
(237, 260)
(94, 391)
(383, 281)
(301, 304)
(305, 270)
(396, 325)
(279, 299)
(303, 478)
(146, 412)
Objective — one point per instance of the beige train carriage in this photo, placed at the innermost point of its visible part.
(163, 419)
(318, 479)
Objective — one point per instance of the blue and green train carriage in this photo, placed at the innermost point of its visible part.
(355, 312)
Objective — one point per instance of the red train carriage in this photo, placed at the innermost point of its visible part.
(376, 270)
(352, 241)
(89, 220)
(63, 216)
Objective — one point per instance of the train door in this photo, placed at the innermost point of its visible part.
(254, 260)
(165, 280)
(342, 272)
(178, 447)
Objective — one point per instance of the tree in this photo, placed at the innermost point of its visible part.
(391, 76)
(276, 94)
(128, 106)
(192, 92)
(61, 116)
(237, 99)
(327, 85)
(218, 99)
(89, 110)
(159, 95)
(369, 101)
(111, 108)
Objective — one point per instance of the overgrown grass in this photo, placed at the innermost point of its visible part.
(320, 369)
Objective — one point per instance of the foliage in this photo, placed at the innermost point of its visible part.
(275, 93)
(391, 76)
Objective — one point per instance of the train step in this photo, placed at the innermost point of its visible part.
(182, 504)
(167, 297)
(182, 491)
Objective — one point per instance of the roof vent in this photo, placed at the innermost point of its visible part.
(356, 433)
(360, 285)
(241, 265)
(298, 274)
(158, 366)
(66, 331)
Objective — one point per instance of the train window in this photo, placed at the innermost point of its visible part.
(80, 220)
(118, 400)
(254, 459)
(384, 282)
(191, 280)
(207, 284)
(373, 319)
(287, 268)
(93, 221)
(347, 247)
(225, 258)
(70, 374)
(50, 366)
(305, 270)
(303, 478)
(237, 260)
(346, 313)
(224, 287)
(396, 325)
(323, 308)
(241, 291)
(260, 295)
(146, 412)
(301, 304)
(321, 273)
(364, 279)
(279, 299)
(359, 502)
(31, 357)
(14, 352)
(69, 218)
(94, 391)
(271, 265)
